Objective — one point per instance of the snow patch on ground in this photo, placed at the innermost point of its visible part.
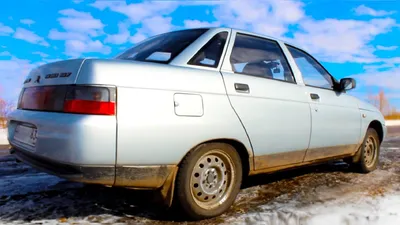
(392, 122)
(3, 137)
(357, 210)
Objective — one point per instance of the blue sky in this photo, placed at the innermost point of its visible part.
(351, 38)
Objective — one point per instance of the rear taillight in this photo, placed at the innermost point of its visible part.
(70, 99)
(89, 107)
(90, 100)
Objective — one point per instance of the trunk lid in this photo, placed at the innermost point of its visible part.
(56, 73)
(46, 86)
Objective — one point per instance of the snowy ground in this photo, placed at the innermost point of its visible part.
(326, 194)
(3, 137)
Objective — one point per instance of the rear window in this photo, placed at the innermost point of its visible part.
(162, 48)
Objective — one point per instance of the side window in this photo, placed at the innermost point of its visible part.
(210, 54)
(260, 57)
(313, 73)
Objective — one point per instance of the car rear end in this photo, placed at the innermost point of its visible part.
(64, 128)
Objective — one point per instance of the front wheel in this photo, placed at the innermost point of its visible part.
(369, 153)
(208, 180)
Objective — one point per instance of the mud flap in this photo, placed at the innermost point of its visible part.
(167, 190)
(356, 157)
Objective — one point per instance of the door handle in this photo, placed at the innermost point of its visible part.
(242, 87)
(314, 96)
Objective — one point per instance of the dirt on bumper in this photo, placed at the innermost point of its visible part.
(140, 177)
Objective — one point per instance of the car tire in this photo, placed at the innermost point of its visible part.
(369, 153)
(208, 180)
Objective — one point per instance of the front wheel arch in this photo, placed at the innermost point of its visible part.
(377, 126)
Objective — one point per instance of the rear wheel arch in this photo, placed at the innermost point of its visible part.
(245, 154)
(195, 191)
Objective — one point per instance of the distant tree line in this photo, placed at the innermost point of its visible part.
(5, 108)
(381, 102)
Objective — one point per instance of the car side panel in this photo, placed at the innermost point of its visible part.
(276, 116)
(336, 122)
(149, 130)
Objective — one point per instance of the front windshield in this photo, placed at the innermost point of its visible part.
(162, 48)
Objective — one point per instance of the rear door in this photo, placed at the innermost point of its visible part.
(336, 119)
(271, 105)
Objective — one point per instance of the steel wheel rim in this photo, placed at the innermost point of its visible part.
(212, 179)
(370, 148)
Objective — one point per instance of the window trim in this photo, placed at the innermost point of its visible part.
(267, 39)
(202, 30)
(220, 59)
(334, 81)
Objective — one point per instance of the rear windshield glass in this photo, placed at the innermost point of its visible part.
(162, 48)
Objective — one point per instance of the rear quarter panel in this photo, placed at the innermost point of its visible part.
(149, 130)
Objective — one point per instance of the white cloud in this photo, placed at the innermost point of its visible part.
(136, 12)
(13, 72)
(121, 37)
(379, 77)
(29, 36)
(76, 48)
(388, 79)
(76, 14)
(267, 17)
(78, 1)
(138, 37)
(199, 24)
(80, 22)
(27, 21)
(57, 35)
(332, 40)
(80, 28)
(152, 26)
(202, 2)
(364, 10)
(5, 53)
(5, 30)
(342, 40)
(157, 25)
(153, 18)
(386, 48)
(377, 67)
(41, 54)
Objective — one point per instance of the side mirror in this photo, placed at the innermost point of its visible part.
(347, 84)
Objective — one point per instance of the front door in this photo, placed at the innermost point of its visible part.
(336, 119)
(263, 91)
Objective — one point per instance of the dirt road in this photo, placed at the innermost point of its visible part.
(28, 196)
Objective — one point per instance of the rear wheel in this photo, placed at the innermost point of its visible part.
(208, 180)
(369, 153)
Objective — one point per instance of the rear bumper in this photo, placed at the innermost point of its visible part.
(68, 138)
(140, 177)
(86, 174)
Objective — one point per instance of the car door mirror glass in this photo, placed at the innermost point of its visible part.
(347, 84)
